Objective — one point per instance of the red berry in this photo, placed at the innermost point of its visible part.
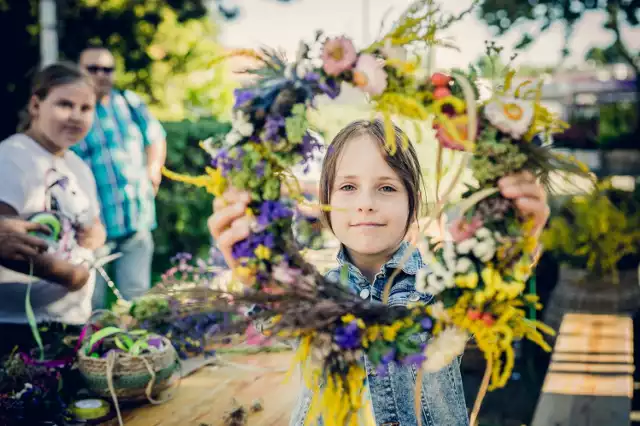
(488, 319)
(474, 314)
(440, 80)
(441, 92)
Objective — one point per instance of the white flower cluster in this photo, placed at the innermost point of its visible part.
(241, 128)
(441, 275)
(482, 245)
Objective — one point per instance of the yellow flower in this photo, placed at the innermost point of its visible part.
(467, 280)
(491, 277)
(348, 318)
(243, 271)
(390, 332)
(522, 269)
(373, 332)
(262, 252)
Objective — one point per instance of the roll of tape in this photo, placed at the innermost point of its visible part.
(90, 409)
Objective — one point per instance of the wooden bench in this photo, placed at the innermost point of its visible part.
(590, 377)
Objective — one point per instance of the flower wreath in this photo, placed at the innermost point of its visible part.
(478, 279)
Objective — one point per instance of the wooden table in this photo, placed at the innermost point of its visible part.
(590, 378)
(204, 397)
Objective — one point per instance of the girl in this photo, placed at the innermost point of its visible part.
(374, 199)
(40, 174)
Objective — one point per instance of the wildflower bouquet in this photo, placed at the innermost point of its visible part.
(478, 280)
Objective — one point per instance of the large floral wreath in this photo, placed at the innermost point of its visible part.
(478, 279)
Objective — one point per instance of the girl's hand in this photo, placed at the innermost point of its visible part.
(229, 223)
(529, 197)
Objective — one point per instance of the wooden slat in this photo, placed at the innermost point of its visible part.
(595, 357)
(569, 410)
(585, 384)
(591, 344)
(592, 368)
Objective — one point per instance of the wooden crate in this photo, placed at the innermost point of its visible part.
(590, 378)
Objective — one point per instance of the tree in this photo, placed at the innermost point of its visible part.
(504, 15)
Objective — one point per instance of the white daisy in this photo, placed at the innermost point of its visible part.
(510, 115)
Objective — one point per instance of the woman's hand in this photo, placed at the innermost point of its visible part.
(17, 244)
(92, 237)
(229, 223)
(529, 197)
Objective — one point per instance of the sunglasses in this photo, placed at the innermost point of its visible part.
(94, 69)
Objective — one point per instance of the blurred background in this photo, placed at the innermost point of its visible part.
(587, 52)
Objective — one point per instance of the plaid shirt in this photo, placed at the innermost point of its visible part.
(115, 150)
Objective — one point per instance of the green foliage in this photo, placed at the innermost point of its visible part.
(182, 209)
(592, 232)
(164, 50)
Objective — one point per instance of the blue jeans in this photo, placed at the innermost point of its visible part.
(131, 272)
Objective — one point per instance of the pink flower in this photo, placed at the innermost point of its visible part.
(461, 229)
(338, 55)
(369, 74)
(285, 274)
(460, 123)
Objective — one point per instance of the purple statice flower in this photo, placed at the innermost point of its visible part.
(181, 257)
(242, 97)
(426, 323)
(330, 88)
(307, 149)
(226, 160)
(386, 359)
(271, 211)
(246, 247)
(259, 169)
(312, 76)
(414, 359)
(348, 337)
(272, 127)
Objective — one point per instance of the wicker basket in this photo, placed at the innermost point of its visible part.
(133, 378)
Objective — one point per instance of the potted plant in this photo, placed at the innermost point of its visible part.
(595, 237)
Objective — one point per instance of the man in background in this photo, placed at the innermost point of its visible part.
(126, 151)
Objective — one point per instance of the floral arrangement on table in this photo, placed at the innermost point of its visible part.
(478, 280)
(30, 393)
(170, 311)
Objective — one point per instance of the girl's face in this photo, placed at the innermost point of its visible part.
(369, 203)
(65, 115)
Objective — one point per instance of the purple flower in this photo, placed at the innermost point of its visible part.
(307, 149)
(312, 76)
(228, 160)
(242, 97)
(271, 211)
(426, 323)
(272, 127)
(414, 359)
(259, 170)
(330, 88)
(246, 247)
(181, 257)
(348, 337)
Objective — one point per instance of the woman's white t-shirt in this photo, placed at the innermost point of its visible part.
(33, 180)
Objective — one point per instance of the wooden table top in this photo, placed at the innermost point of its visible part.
(204, 397)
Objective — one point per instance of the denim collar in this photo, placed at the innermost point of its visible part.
(410, 267)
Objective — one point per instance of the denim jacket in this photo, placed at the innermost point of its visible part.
(392, 395)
